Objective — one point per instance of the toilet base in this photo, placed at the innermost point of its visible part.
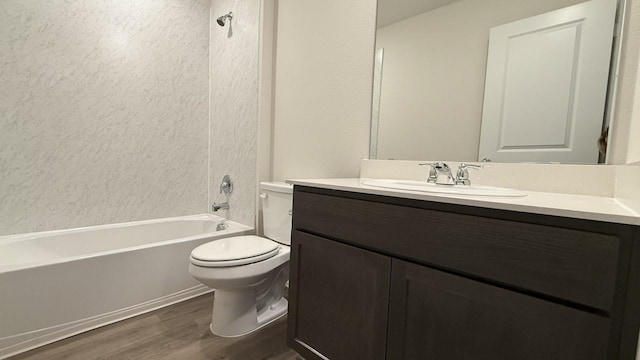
(236, 315)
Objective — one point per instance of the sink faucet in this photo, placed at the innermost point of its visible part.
(440, 174)
(462, 175)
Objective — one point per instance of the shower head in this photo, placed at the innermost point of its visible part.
(223, 19)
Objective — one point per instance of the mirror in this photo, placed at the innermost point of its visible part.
(454, 78)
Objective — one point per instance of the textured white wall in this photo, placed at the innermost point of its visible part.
(103, 111)
(234, 106)
(434, 74)
(324, 67)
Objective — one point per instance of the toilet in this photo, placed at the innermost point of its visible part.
(249, 272)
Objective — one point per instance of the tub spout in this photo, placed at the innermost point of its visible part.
(221, 206)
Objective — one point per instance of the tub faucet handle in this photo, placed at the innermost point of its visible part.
(227, 185)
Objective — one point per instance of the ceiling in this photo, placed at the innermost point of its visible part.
(390, 11)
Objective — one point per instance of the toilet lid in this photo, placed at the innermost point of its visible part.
(234, 251)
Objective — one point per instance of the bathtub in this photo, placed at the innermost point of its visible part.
(56, 284)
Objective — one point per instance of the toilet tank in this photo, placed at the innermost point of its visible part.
(277, 202)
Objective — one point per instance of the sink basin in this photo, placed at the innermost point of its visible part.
(423, 186)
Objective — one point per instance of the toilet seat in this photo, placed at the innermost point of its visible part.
(234, 251)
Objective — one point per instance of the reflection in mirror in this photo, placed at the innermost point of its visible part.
(502, 80)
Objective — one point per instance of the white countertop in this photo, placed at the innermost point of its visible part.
(567, 205)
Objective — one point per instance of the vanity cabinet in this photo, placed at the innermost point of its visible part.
(342, 299)
(436, 315)
(376, 277)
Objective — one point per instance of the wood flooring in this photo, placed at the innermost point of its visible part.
(179, 331)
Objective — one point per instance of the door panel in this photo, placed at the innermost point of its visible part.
(546, 83)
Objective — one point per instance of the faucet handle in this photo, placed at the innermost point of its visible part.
(437, 165)
(433, 172)
(462, 175)
(436, 168)
(227, 185)
(470, 166)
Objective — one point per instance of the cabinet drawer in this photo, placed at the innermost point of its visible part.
(574, 265)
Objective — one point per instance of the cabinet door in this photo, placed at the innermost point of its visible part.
(436, 315)
(339, 297)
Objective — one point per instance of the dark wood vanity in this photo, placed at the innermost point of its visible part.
(378, 277)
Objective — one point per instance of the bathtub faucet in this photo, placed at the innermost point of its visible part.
(221, 206)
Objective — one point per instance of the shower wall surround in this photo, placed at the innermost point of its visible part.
(103, 111)
(234, 106)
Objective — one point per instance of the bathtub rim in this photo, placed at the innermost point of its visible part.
(8, 239)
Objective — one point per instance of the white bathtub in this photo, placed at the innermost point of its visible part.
(55, 284)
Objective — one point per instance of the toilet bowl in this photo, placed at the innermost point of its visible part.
(249, 272)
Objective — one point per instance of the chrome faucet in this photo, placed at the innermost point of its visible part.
(220, 206)
(462, 175)
(227, 188)
(440, 174)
